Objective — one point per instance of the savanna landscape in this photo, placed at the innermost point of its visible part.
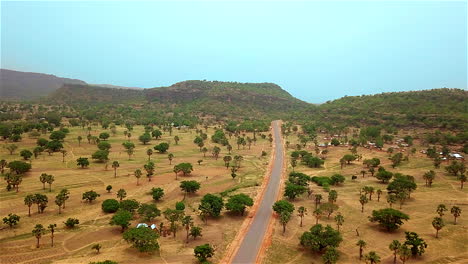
(233, 132)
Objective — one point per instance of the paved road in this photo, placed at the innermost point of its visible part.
(253, 239)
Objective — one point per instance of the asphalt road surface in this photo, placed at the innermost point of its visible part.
(248, 250)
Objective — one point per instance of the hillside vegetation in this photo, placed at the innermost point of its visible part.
(439, 108)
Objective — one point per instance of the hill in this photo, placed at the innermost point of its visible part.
(220, 99)
(443, 108)
(76, 94)
(16, 85)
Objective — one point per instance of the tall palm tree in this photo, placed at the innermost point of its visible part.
(115, 165)
(361, 244)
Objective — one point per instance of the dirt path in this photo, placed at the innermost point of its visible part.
(252, 242)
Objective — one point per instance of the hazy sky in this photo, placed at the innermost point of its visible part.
(316, 50)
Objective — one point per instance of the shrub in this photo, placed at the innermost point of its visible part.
(110, 206)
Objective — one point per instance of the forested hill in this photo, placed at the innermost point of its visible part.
(75, 94)
(228, 98)
(219, 99)
(430, 108)
(16, 85)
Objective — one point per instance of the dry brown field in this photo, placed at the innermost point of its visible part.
(450, 247)
(17, 245)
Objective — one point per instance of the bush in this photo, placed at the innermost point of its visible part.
(71, 222)
(322, 180)
(110, 206)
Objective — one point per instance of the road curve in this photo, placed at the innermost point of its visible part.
(251, 244)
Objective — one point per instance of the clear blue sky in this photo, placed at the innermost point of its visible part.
(316, 50)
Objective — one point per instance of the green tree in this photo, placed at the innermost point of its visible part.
(441, 209)
(90, 196)
(372, 258)
(71, 222)
(415, 243)
(142, 238)
(395, 246)
(52, 227)
(104, 135)
(130, 205)
(162, 147)
(361, 244)
(115, 166)
(170, 157)
(203, 252)
(101, 155)
(189, 187)
(319, 238)
(330, 256)
(404, 252)
(211, 204)
(108, 188)
(82, 162)
(329, 208)
(339, 219)
(104, 145)
(438, 223)
(29, 200)
(149, 152)
(237, 203)
(149, 167)
(11, 220)
(145, 138)
(301, 212)
(137, 174)
(110, 206)
(363, 200)
(173, 216)
(195, 231)
(187, 222)
(121, 218)
(19, 167)
(456, 212)
(292, 190)
(26, 154)
(388, 218)
(148, 211)
(121, 194)
(429, 177)
(157, 193)
(37, 232)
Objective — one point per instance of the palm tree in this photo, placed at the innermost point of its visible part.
(363, 172)
(52, 227)
(302, 211)
(138, 174)
(361, 244)
(38, 231)
(441, 208)
(318, 214)
(405, 253)
(29, 200)
(456, 211)
(149, 152)
(115, 165)
(318, 198)
(339, 219)
(187, 222)
(170, 157)
(64, 153)
(379, 193)
(438, 223)
(363, 200)
(121, 194)
(372, 257)
(394, 246)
